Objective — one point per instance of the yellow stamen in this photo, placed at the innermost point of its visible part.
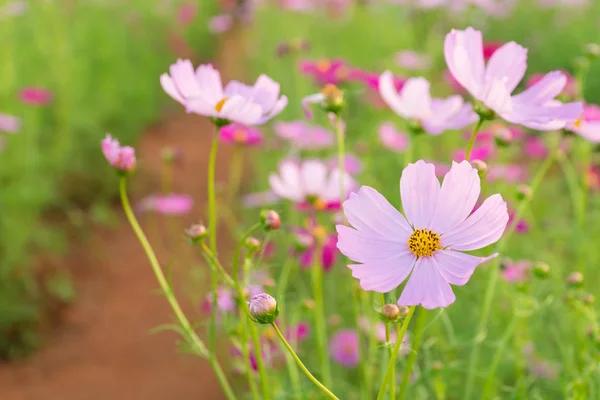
(220, 104)
(319, 204)
(423, 242)
(579, 121)
(322, 65)
(320, 233)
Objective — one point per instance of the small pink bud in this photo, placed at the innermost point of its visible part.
(270, 220)
(263, 308)
(524, 192)
(575, 279)
(253, 244)
(481, 167)
(390, 312)
(196, 232)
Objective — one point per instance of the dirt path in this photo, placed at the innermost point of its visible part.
(104, 349)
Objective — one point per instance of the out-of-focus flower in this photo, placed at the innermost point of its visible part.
(240, 135)
(312, 237)
(220, 23)
(413, 61)
(592, 177)
(588, 125)
(482, 152)
(171, 204)
(226, 301)
(310, 183)
(378, 331)
(535, 108)
(522, 225)
(325, 71)
(296, 46)
(13, 9)
(352, 165)
(415, 103)
(372, 79)
(35, 96)
(299, 5)
(511, 173)
(539, 367)
(120, 157)
(186, 13)
(392, 139)
(304, 136)
(202, 92)
(388, 249)
(344, 348)
(517, 272)
(9, 123)
(569, 90)
(260, 199)
(534, 147)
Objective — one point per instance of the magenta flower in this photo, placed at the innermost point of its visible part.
(344, 348)
(120, 157)
(372, 79)
(414, 61)
(415, 103)
(220, 23)
(186, 13)
(522, 225)
(304, 136)
(429, 247)
(392, 139)
(308, 239)
(201, 92)
(588, 125)
(35, 96)
(326, 71)
(9, 123)
(482, 152)
(535, 108)
(240, 134)
(517, 272)
(512, 173)
(534, 147)
(310, 183)
(171, 204)
(352, 165)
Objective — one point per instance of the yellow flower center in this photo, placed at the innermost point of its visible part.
(220, 104)
(579, 121)
(320, 233)
(323, 65)
(423, 242)
(240, 136)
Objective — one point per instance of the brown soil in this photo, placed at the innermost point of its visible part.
(103, 349)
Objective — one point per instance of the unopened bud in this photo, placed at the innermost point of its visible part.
(415, 128)
(270, 220)
(196, 233)
(588, 299)
(503, 136)
(283, 49)
(309, 304)
(252, 244)
(575, 279)
(437, 365)
(481, 167)
(334, 99)
(592, 50)
(524, 192)
(541, 270)
(390, 312)
(263, 308)
(303, 241)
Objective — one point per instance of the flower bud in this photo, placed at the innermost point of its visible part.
(503, 136)
(541, 270)
(196, 233)
(415, 128)
(390, 312)
(334, 99)
(283, 49)
(524, 192)
(334, 320)
(588, 299)
(303, 241)
(575, 279)
(437, 365)
(481, 167)
(263, 308)
(252, 244)
(592, 50)
(270, 220)
(309, 304)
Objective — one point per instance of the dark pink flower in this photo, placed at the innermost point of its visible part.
(171, 204)
(186, 13)
(517, 271)
(534, 147)
(344, 348)
(522, 225)
(240, 135)
(490, 48)
(483, 153)
(326, 71)
(35, 96)
(329, 251)
(372, 79)
(120, 157)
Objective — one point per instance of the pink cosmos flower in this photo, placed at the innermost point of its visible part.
(517, 271)
(414, 61)
(352, 165)
(35, 96)
(414, 103)
(372, 79)
(310, 183)
(588, 126)
(171, 204)
(120, 157)
(392, 138)
(299, 5)
(344, 348)
(534, 147)
(329, 251)
(186, 13)
(240, 134)
(9, 123)
(378, 331)
(326, 71)
(570, 89)
(482, 152)
(259, 199)
(304, 136)
(535, 108)
(220, 24)
(522, 225)
(429, 246)
(201, 92)
(512, 173)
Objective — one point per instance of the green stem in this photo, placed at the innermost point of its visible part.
(494, 273)
(316, 273)
(212, 230)
(246, 351)
(191, 335)
(339, 132)
(260, 363)
(301, 365)
(238, 250)
(498, 356)
(472, 140)
(415, 346)
(388, 375)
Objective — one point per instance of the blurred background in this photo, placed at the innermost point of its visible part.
(76, 294)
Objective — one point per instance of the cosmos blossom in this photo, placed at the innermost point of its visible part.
(304, 136)
(393, 139)
(344, 348)
(414, 102)
(241, 135)
(35, 96)
(517, 272)
(428, 244)
(201, 92)
(171, 204)
(325, 71)
(306, 240)
(492, 85)
(310, 183)
(120, 157)
(588, 126)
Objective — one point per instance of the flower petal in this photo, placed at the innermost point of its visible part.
(313, 175)
(209, 81)
(544, 90)
(456, 267)
(384, 275)
(458, 195)
(427, 287)
(182, 74)
(482, 228)
(169, 87)
(419, 189)
(508, 64)
(311, 99)
(463, 51)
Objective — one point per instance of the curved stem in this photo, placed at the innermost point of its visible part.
(238, 250)
(316, 273)
(392, 361)
(494, 273)
(192, 337)
(301, 365)
(415, 346)
(472, 140)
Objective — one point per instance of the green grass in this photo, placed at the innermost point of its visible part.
(101, 60)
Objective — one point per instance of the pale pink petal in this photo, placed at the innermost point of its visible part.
(456, 267)
(508, 64)
(419, 190)
(463, 51)
(313, 175)
(426, 287)
(391, 138)
(546, 89)
(168, 86)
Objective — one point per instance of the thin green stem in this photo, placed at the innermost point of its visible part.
(260, 363)
(216, 265)
(472, 140)
(494, 273)
(212, 229)
(388, 375)
(393, 366)
(246, 350)
(238, 250)
(339, 132)
(189, 332)
(487, 388)
(301, 365)
(415, 347)
(316, 273)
